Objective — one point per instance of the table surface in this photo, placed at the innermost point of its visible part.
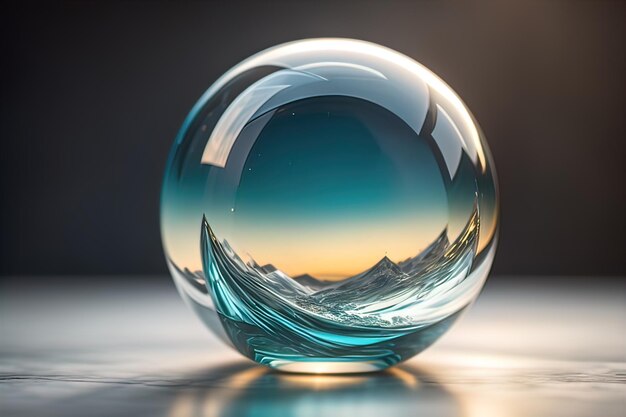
(528, 347)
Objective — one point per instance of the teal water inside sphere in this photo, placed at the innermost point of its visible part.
(323, 217)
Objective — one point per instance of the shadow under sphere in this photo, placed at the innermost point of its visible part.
(238, 390)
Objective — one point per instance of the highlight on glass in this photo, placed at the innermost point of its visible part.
(329, 206)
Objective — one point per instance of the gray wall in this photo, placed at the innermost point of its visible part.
(92, 95)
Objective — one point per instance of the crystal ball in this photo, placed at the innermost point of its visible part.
(329, 206)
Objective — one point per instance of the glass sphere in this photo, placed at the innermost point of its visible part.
(329, 206)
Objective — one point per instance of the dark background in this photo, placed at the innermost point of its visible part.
(92, 95)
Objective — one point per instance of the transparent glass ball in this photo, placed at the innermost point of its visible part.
(329, 206)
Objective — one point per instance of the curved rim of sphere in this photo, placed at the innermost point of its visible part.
(278, 54)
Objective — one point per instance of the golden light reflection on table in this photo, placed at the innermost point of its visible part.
(258, 391)
(449, 383)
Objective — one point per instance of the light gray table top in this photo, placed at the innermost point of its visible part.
(133, 349)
